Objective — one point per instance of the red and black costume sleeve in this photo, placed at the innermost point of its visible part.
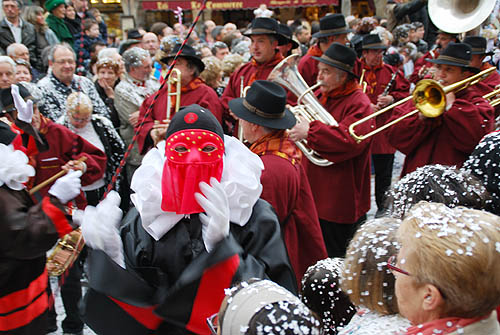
(27, 232)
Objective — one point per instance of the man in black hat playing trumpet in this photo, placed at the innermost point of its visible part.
(449, 138)
(264, 119)
(332, 28)
(342, 190)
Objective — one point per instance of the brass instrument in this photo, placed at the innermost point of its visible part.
(174, 81)
(287, 75)
(491, 97)
(243, 93)
(459, 16)
(429, 97)
(363, 84)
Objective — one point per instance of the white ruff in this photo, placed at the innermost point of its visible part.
(14, 168)
(240, 178)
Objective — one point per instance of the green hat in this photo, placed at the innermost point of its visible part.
(51, 4)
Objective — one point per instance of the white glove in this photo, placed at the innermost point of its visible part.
(100, 227)
(24, 108)
(216, 220)
(67, 187)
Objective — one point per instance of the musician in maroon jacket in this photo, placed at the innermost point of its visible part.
(193, 91)
(423, 65)
(449, 138)
(265, 36)
(342, 190)
(332, 28)
(264, 120)
(385, 85)
(492, 81)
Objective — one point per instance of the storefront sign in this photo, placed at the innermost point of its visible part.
(230, 5)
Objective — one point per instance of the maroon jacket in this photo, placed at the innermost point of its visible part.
(308, 69)
(286, 188)
(64, 145)
(448, 139)
(202, 95)
(342, 190)
(377, 80)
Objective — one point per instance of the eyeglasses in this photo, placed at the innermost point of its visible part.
(212, 321)
(392, 265)
(83, 119)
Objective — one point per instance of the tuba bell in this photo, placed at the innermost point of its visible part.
(459, 16)
(287, 75)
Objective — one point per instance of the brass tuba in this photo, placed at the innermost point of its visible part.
(459, 16)
(287, 75)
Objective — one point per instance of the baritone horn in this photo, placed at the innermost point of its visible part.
(429, 98)
(287, 75)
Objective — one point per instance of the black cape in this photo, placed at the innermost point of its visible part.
(172, 285)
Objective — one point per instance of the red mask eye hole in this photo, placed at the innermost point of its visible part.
(209, 148)
(180, 149)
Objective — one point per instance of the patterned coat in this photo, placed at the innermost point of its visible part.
(54, 94)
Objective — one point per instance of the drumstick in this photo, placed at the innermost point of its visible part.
(53, 178)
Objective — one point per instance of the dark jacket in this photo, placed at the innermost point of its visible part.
(28, 38)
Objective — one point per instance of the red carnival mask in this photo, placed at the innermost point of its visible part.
(193, 156)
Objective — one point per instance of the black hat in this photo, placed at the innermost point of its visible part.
(339, 56)
(134, 34)
(456, 54)
(265, 26)
(286, 32)
(264, 104)
(7, 100)
(194, 117)
(187, 52)
(372, 41)
(332, 24)
(478, 45)
(6, 134)
(127, 44)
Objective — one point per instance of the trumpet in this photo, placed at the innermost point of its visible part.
(287, 75)
(429, 97)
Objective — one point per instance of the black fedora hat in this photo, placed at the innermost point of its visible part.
(339, 56)
(332, 24)
(286, 32)
(6, 134)
(456, 54)
(187, 52)
(264, 104)
(372, 41)
(7, 101)
(478, 45)
(265, 26)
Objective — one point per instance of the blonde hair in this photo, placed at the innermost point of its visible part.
(212, 71)
(78, 102)
(230, 63)
(457, 250)
(366, 279)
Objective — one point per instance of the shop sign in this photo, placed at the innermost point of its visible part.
(230, 5)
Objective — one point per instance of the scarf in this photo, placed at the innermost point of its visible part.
(445, 326)
(278, 57)
(315, 51)
(59, 28)
(370, 76)
(343, 90)
(278, 144)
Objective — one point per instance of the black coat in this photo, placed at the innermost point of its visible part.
(177, 278)
(28, 38)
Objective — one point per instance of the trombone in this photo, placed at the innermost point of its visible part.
(490, 97)
(174, 81)
(429, 97)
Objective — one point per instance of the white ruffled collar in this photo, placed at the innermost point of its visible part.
(14, 168)
(240, 178)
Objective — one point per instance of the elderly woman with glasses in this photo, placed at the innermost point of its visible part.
(369, 283)
(447, 270)
(99, 131)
